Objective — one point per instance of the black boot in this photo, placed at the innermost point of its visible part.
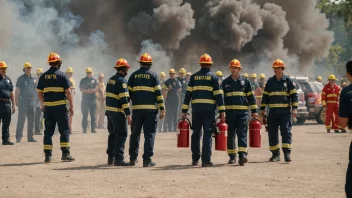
(207, 164)
(110, 160)
(287, 157)
(232, 160)
(242, 160)
(7, 142)
(337, 131)
(94, 131)
(121, 163)
(133, 162)
(275, 158)
(47, 159)
(148, 163)
(343, 131)
(67, 157)
(195, 163)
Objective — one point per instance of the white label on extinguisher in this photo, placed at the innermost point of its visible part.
(178, 132)
(217, 129)
(225, 133)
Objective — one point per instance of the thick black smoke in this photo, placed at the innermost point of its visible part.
(255, 31)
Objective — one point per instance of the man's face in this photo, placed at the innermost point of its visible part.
(89, 74)
(235, 70)
(331, 82)
(69, 74)
(162, 78)
(2, 71)
(188, 77)
(181, 75)
(253, 79)
(172, 76)
(28, 70)
(278, 71)
(101, 79)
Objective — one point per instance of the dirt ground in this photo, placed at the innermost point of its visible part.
(318, 170)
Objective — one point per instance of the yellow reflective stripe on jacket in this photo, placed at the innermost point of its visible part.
(331, 95)
(221, 108)
(266, 93)
(253, 106)
(295, 104)
(203, 88)
(38, 90)
(278, 105)
(189, 89)
(111, 95)
(231, 151)
(235, 93)
(285, 145)
(242, 149)
(278, 93)
(130, 88)
(236, 107)
(56, 103)
(185, 106)
(125, 94)
(273, 148)
(217, 92)
(135, 107)
(157, 88)
(161, 105)
(114, 109)
(64, 144)
(160, 98)
(53, 89)
(263, 105)
(250, 93)
(143, 88)
(125, 106)
(48, 147)
(258, 96)
(293, 91)
(206, 101)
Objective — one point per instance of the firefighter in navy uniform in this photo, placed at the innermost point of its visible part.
(146, 97)
(239, 97)
(183, 80)
(25, 100)
(204, 92)
(6, 98)
(162, 76)
(345, 118)
(54, 92)
(280, 95)
(117, 110)
(88, 87)
(173, 87)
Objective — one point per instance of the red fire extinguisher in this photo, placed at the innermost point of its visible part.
(255, 137)
(183, 133)
(221, 136)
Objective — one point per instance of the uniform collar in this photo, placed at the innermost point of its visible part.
(144, 68)
(54, 68)
(284, 77)
(241, 78)
(119, 75)
(3, 78)
(205, 69)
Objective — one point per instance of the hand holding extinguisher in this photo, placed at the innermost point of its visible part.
(183, 127)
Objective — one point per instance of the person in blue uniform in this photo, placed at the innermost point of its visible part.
(6, 99)
(239, 97)
(173, 88)
(280, 95)
(25, 100)
(117, 111)
(54, 93)
(345, 115)
(206, 96)
(147, 98)
(88, 87)
(184, 83)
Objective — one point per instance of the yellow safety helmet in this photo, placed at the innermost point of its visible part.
(332, 77)
(189, 74)
(319, 78)
(3, 65)
(162, 74)
(27, 65)
(254, 75)
(69, 70)
(182, 71)
(245, 75)
(219, 73)
(39, 71)
(89, 70)
(172, 71)
(262, 76)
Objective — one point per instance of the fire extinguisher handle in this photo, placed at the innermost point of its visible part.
(190, 124)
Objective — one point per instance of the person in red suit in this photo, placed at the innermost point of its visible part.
(330, 98)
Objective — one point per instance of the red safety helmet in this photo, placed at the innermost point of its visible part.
(145, 58)
(121, 62)
(205, 59)
(54, 57)
(235, 63)
(278, 63)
